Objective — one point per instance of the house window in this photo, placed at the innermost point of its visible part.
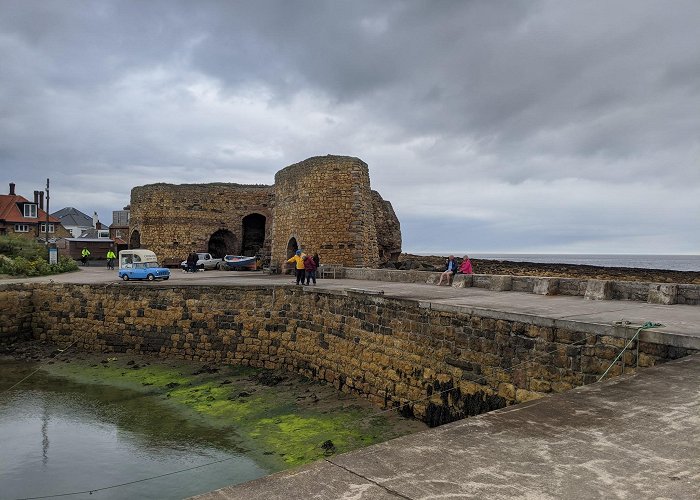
(43, 227)
(30, 210)
(103, 234)
(21, 228)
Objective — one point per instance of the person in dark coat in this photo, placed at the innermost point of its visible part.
(192, 262)
(310, 267)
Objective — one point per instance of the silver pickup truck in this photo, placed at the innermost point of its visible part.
(204, 261)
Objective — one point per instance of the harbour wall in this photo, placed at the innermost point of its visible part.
(437, 363)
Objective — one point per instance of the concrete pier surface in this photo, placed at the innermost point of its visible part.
(630, 437)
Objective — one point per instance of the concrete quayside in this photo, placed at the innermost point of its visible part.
(439, 354)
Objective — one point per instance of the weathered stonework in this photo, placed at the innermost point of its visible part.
(173, 220)
(438, 364)
(323, 204)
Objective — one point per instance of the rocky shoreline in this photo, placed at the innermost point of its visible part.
(485, 266)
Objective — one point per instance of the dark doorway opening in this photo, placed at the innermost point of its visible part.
(222, 243)
(292, 248)
(253, 234)
(135, 240)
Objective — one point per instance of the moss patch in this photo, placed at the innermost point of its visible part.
(282, 419)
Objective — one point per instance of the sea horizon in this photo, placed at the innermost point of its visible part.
(670, 262)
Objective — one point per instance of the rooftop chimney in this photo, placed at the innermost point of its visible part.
(12, 188)
(41, 200)
(36, 197)
(94, 220)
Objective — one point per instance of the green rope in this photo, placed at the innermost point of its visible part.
(645, 326)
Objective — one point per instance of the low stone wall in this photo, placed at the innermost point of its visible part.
(439, 363)
(16, 310)
(654, 293)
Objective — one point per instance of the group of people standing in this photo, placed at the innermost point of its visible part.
(305, 267)
(451, 268)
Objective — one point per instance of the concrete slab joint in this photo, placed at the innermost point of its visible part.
(662, 294)
(599, 290)
(546, 286)
(501, 283)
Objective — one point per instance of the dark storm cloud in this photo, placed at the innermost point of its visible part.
(469, 110)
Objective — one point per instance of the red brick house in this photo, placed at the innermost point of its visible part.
(22, 217)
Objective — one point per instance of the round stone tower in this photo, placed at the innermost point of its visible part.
(324, 204)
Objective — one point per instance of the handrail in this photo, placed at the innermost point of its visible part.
(646, 326)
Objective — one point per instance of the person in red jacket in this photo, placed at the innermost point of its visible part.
(310, 267)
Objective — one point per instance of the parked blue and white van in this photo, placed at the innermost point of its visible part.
(141, 264)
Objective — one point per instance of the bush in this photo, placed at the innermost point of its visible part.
(23, 257)
(16, 246)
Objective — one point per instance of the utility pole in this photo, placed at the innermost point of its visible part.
(46, 225)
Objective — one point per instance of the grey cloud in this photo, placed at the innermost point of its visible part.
(437, 93)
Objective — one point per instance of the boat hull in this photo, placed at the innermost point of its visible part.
(239, 262)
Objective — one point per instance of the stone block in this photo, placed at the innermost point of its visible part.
(662, 294)
(501, 283)
(546, 286)
(599, 290)
(462, 281)
(432, 279)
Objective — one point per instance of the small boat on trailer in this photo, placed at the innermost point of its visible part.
(240, 262)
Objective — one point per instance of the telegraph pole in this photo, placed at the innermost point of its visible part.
(46, 225)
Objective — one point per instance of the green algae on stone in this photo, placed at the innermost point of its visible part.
(282, 425)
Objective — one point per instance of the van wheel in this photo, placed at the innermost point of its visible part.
(218, 266)
(125, 277)
(150, 277)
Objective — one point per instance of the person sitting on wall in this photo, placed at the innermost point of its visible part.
(466, 266)
(298, 260)
(310, 267)
(450, 269)
(84, 256)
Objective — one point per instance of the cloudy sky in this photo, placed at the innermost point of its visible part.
(491, 126)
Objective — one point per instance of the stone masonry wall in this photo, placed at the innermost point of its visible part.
(325, 203)
(174, 219)
(388, 229)
(438, 365)
(16, 309)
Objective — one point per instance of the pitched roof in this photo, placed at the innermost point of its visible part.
(70, 216)
(10, 210)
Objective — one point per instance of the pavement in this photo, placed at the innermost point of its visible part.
(632, 437)
(681, 322)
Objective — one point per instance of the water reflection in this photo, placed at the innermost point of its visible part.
(57, 436)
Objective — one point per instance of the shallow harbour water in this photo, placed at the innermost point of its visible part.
(58, 436)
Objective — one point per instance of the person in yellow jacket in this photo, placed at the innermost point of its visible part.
(110, 259)
(84, 255)
(298, 259)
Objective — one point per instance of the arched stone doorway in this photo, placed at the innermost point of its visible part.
(135, 240)
(292, 247)
(253, 234)
(221, 243)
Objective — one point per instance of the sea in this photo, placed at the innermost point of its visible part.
(666, 262)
